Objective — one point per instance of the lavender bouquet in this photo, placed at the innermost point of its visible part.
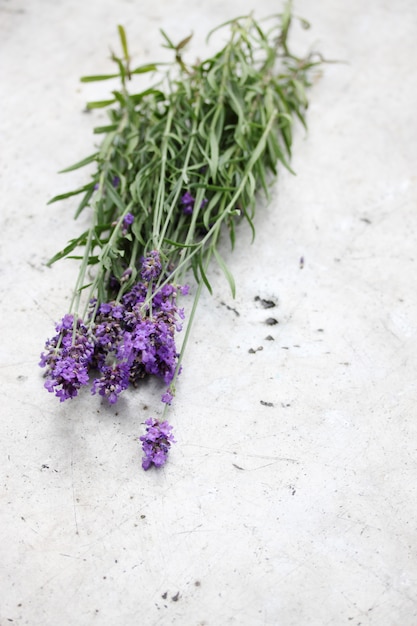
(179, 164)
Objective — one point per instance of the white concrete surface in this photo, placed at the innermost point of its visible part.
(298, 514)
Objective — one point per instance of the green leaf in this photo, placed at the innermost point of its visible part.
(214, 154)
(85, 286)
(142, 69)
(232, 21)
(100, 104)
(300, 91)
(76, 166)
(105, 129)
(183, 42)
(115, 197)
(79, 241)
(177, 244)
(120, 97)
(97, 77)
(123, 41)
(138, 97)
(226, 272)
(63, 196)
(170, 45)
(84, 202)
(202, 273)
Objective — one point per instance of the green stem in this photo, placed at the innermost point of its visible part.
(184, 175)
(159, 203)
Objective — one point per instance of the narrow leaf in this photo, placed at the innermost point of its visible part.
(226, 272)
(76, 166)
(91, 79)
(62, 196)
(142, 69)
(123, 41)
(100, 104)
(84, 202)
(105, 129)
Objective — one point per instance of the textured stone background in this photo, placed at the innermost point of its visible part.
(300, 513)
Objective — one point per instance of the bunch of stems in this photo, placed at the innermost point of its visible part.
(183, 160)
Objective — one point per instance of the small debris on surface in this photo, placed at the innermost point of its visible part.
(164, 595)
(269, 338)
(229, 308)
(176, 597)
(266, 403)
(258, 349)
(271, 321)
(266, 304)
(238, 466)
(301, 262)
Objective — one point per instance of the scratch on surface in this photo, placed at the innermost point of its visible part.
(254, 469)
(274, 459)
(188, 532)
(71, 556)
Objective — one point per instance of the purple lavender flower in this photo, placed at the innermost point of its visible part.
(128, 219)
(156, 443)
(136, 295)
(127, 341)
(151, 266)
(126, 275)
(113, 381)
(66, 378)
(188, 201)
(108, 331)
(167, 397)
(67, 358)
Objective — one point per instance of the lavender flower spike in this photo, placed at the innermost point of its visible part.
(67, 358)
(156, 443)
(151, 266)
(188, 201)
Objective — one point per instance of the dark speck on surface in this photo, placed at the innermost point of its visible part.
(266, 304)
(271, 321)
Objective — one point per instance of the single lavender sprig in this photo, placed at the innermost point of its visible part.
(156, 443)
